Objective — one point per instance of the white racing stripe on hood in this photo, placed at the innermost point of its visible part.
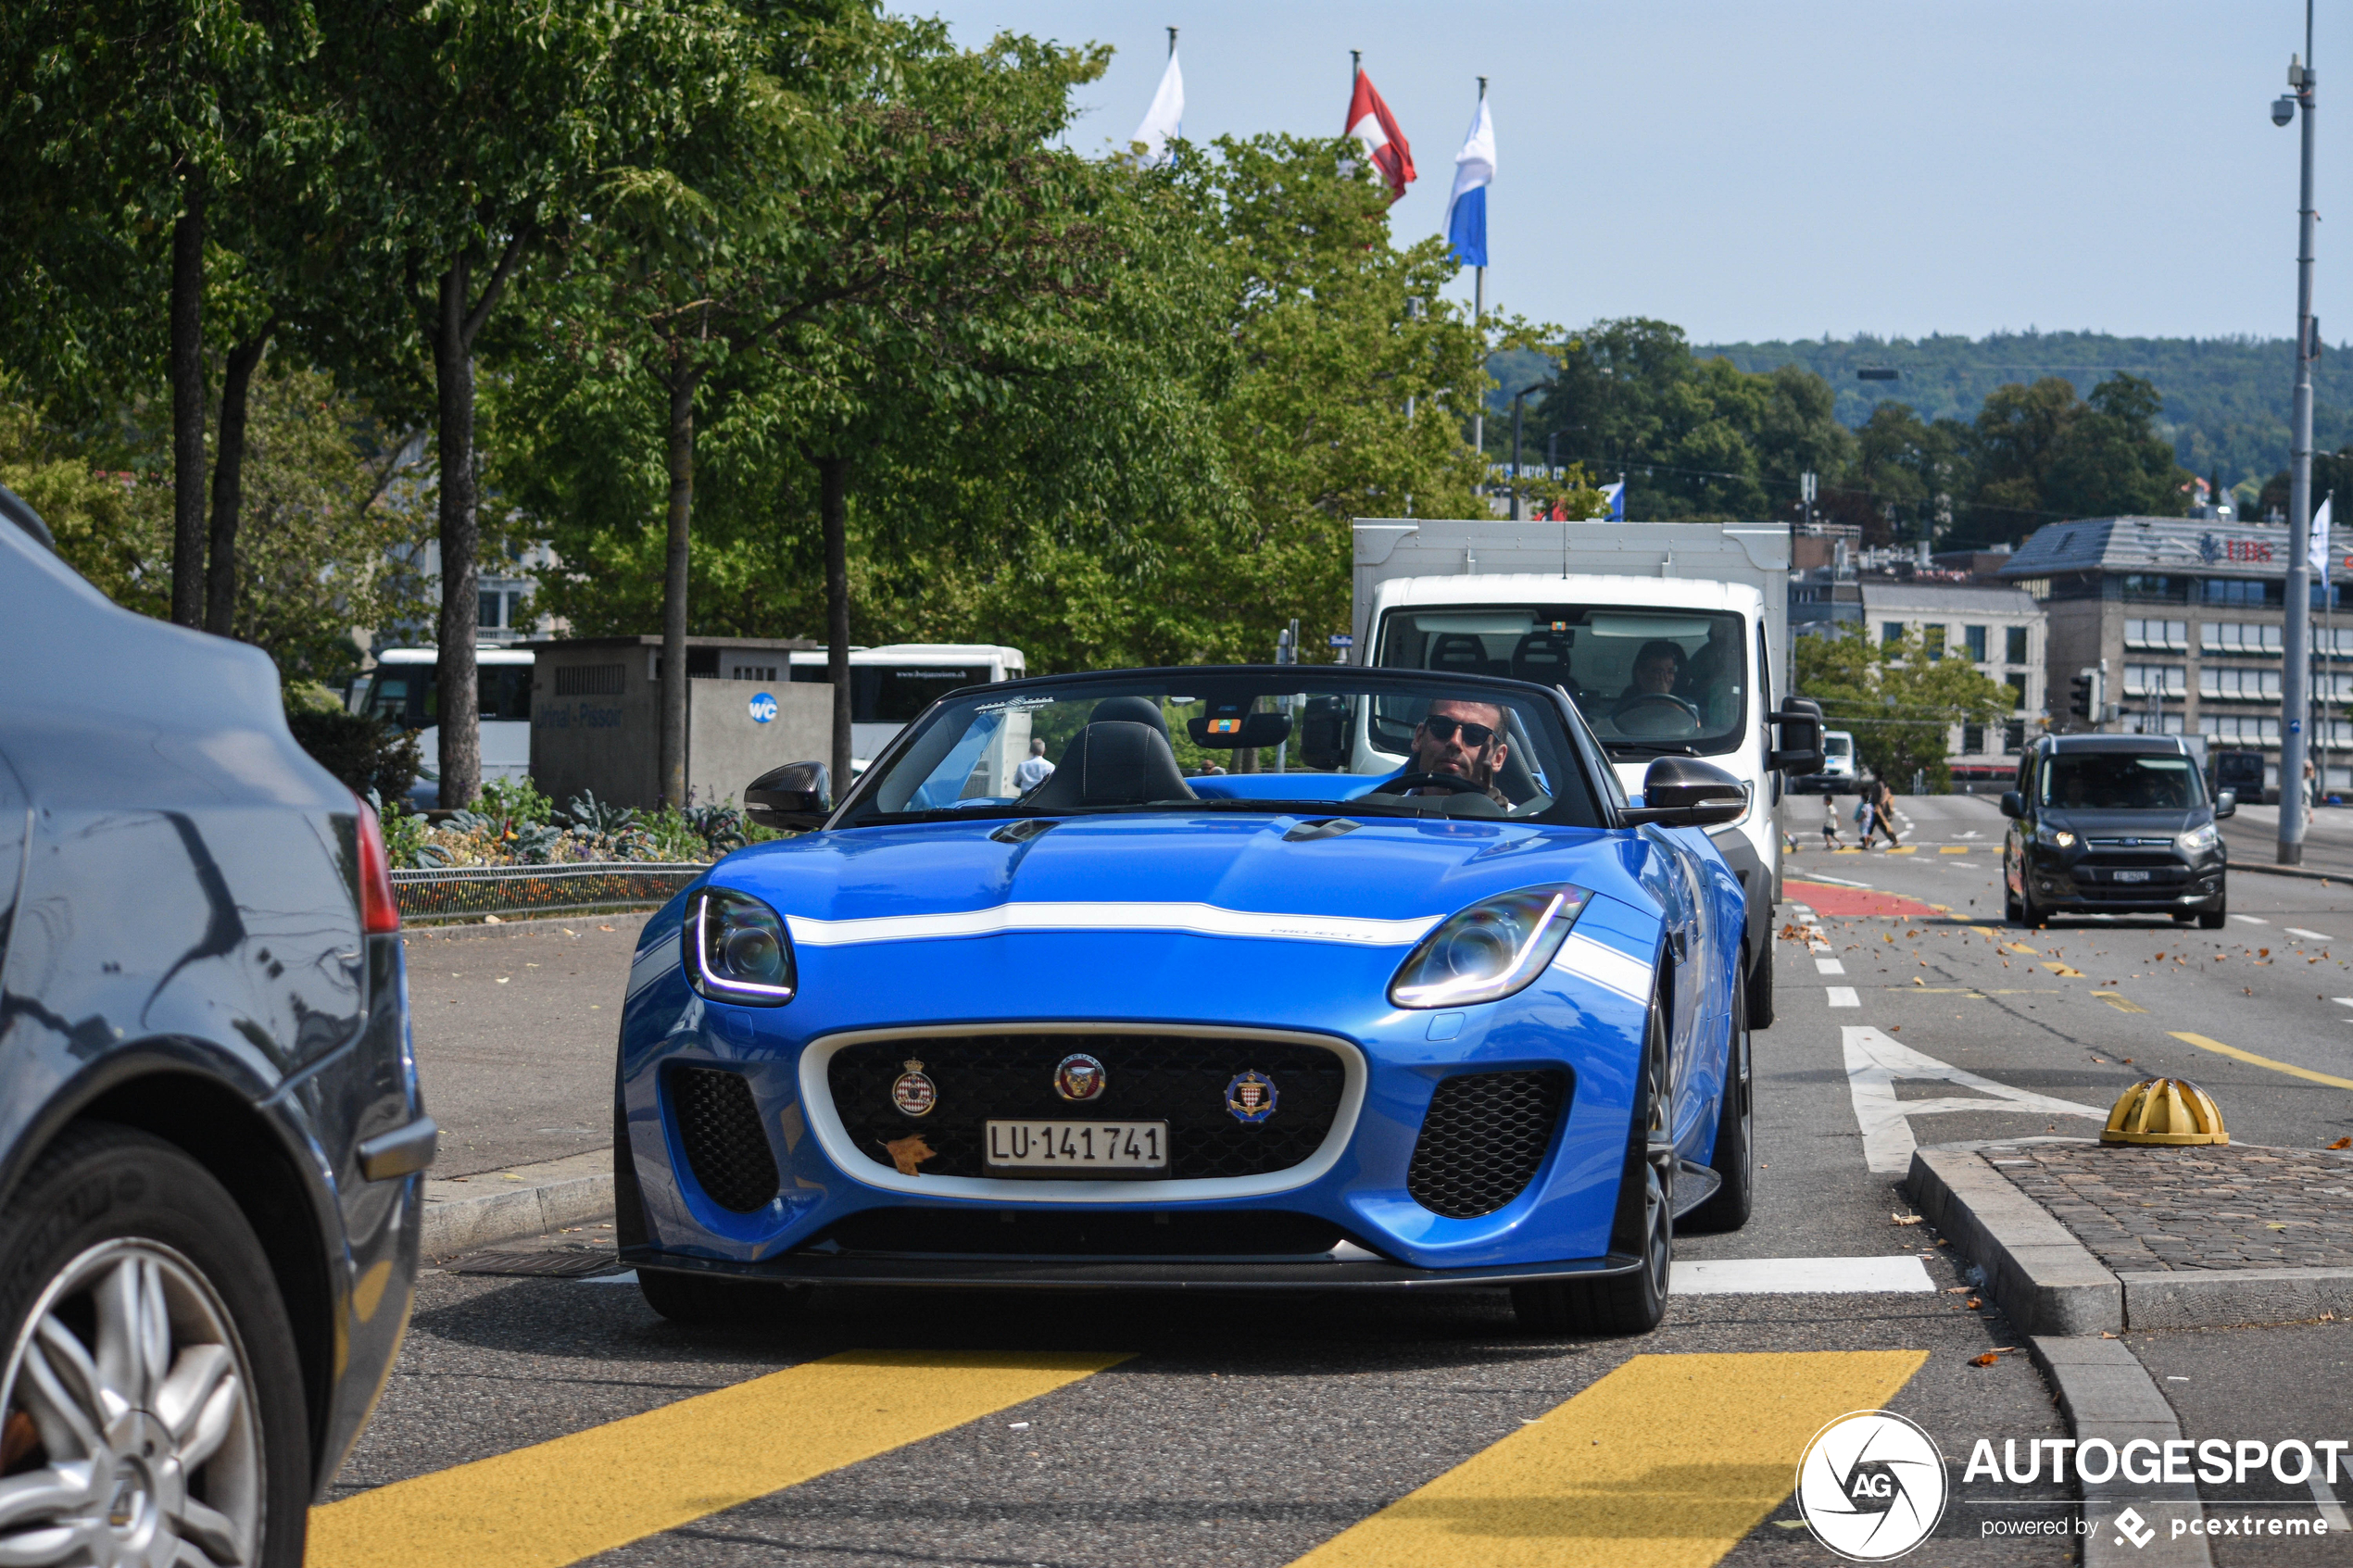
(1605, 966)
(1197, 919)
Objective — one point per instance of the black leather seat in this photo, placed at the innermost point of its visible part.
(1118, 763)
(1130, 710)
(1542, 657)
(1460, 652)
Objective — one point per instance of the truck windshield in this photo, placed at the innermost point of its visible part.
(1647, 680)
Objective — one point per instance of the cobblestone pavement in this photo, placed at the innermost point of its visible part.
(2237, 1205)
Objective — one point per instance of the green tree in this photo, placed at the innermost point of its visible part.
(2039, 454)
(1901, 703)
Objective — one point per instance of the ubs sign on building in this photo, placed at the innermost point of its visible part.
(2189, 614)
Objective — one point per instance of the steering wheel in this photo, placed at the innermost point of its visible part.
(1453, 783)
(1678, 712)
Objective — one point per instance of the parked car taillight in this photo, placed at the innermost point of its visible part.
(377, 911)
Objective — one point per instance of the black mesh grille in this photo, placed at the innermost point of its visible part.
(719, 1125)
(1179, 1079)
(1484, 1137)
(1026, 1233)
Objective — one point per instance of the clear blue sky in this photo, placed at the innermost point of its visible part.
(1771, 168)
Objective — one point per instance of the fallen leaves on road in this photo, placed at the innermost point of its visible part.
(1991, 1355)
(2342, 1143)
(1906, 1218)
(1973, 1303)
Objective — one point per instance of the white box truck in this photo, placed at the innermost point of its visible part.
(1671, 638)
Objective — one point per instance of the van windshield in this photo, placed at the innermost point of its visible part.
(2115, 781)
(1648, 680)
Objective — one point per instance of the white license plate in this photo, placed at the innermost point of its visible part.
(2132, 876)
(1078, 1146)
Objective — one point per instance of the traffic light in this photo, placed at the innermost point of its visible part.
(2084, 702)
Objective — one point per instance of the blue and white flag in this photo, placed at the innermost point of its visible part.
(1616, 495)
(1165, 121)
(1467, 208)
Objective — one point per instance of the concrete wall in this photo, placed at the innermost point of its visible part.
(603, 732)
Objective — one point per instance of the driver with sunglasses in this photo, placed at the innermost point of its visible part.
(1462, 738)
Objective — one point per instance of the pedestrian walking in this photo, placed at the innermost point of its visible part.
(1864, 805)
(1883, 814)
(1830, 821)
(1034, 770)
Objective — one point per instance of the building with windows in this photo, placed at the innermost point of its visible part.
(1999, 630)
(2189, 615)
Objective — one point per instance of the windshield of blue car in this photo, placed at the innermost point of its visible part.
(1321, 742)
(1648, 680)
(2119, 781)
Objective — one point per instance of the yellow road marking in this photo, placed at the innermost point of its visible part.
(1905, 850)
(2202, 1043)
(2057, 968)
(560, 1501)
(2115, 999)
(1954, 850)
(2019, 947)
(1982, 930)
(1669, 1462)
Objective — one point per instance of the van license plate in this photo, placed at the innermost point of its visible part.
(2132, 876)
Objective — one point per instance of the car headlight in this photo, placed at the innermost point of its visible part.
(1489, 950)
(2198, 841)
(2055, 838)
(737, 949)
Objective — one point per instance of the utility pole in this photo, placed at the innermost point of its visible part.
(2297, 649)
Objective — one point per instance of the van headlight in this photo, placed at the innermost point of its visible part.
(737, 949)
(2054, 838)
(1489, 950)
(2198, 840)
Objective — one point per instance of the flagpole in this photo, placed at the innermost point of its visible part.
(1478, 324)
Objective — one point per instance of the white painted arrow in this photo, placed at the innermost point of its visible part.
(1875, 1061)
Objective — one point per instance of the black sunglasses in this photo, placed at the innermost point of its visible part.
(1474, 736)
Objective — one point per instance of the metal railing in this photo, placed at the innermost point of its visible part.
(470, 892)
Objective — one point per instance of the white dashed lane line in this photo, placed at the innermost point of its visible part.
(1829, 966)
(2250, 919)
(2307, 935)
(1843, 997)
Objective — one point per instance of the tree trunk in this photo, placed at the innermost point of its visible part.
(228, 484)
(460, 716)
(833, 510)
(673, 586)
(187, 412)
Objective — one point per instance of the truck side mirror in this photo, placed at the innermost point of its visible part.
(797, 797)
(1800, 724)
(2226, 804)
(1682, 792)
(2014, 804)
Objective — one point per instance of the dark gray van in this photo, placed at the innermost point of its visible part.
(2114, 824)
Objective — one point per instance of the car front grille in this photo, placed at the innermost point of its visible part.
(1180, 1079)
(719, 1127)
(1028, 1233)
(1483, 1139)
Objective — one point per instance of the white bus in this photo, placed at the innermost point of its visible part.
(405, 689)
(890, 685)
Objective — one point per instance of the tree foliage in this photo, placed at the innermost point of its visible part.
(1900, 703)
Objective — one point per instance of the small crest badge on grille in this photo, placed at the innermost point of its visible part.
(1079, 1078)
(1250, 1097)
(914, 1094)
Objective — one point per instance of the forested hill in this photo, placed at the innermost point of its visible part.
(2226, 400)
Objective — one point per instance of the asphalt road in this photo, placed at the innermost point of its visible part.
(945, 1428)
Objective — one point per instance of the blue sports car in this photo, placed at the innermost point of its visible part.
(1276, 976)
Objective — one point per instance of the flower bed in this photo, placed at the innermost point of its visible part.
(508, 892)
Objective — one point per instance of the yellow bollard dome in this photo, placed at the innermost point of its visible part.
(2165, 1110)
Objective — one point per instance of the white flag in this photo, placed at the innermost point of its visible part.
(1165, 121)
(2320, 555)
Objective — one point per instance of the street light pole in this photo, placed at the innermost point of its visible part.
(2297, 649)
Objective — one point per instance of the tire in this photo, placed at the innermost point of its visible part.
(2184, 917)
(715, 1300)
(2211, 920)
(1633, 1302)
(2011, 910)
(2029, 913)
(1734, 1160)
(117, 1243)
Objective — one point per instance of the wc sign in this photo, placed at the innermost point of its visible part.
(763, 708)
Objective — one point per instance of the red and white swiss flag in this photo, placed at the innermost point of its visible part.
(1370, 123)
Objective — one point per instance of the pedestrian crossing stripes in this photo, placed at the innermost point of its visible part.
(1666, 1463)
(557, 1502)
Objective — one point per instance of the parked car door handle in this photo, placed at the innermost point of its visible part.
(403, 1152)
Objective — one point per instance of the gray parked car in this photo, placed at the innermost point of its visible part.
(210, 1136)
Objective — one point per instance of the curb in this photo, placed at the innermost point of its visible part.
(464, 1213)
(2261, 867)
(2105, 1393)
(2046, 1282)
(2226, 1298)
